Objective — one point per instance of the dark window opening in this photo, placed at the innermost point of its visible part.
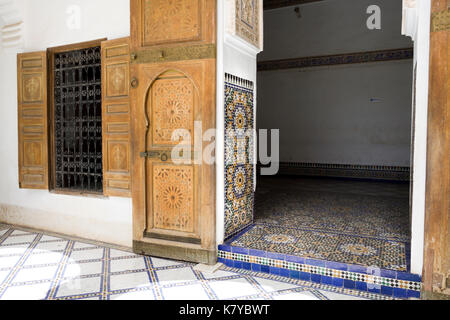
(78, 120)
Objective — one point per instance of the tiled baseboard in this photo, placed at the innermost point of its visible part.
(367, 280)
(391, 173)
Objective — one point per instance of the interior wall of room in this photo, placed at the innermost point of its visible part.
(356, 114)
(51, 23)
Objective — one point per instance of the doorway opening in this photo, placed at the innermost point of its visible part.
(340, 94)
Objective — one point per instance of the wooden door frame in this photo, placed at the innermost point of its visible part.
(436, 270)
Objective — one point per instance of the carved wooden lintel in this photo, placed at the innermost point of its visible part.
(194, 52)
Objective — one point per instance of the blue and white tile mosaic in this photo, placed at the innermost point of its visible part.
(340, 275)
(348, 234)
(239, 150)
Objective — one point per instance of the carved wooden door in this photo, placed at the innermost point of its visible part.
(172, 88)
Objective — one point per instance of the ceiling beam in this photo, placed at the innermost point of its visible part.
(274, 4)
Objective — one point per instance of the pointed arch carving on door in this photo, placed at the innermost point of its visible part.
(173, 206)
(171, 103)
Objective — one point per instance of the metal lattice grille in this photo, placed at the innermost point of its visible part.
(78, 120)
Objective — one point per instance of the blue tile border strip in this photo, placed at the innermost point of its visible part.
(368, 279)
(313, 285)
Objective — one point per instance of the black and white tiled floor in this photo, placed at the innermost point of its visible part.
(36, 266)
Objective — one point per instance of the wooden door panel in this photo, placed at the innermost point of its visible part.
(182, 17)
(116, 117)
(173, 206)
(173, 198)
(167, 23)
(172, 103)
(32, 120)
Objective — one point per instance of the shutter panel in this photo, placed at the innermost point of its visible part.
(116, 117)
(32, 120)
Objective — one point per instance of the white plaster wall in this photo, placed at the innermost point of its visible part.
(422, 54)
(331, 27)
(355, 114)
(102, 219)
(348, 114)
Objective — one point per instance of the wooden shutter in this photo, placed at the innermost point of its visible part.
(32, 120)
(116, 117)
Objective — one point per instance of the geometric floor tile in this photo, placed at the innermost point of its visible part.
(355, 222)
(46, 238)
(82, 245)
(337, 296)
(55, 268)
(76, 270)
(79, 286)
(159, 263)
(218, 274)
(271, 286)
(179, 293)
(228, 289)
(303, 295)
(8, 262)
(20, 232)
(46, 257)
(119, 254)
(51, 246)
(35, 274)
(129, 281)
(20, 239)
(168, 277)
(119, 265)
(30, 292)
(134, 295)
(88, 254)
(3, 275)
(13, 250)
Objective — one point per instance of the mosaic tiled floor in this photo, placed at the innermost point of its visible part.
(36, 266)
(355, 222)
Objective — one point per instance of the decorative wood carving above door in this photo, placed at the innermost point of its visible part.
(171, 22)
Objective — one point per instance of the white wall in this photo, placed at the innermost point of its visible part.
(102, 219)
(347, 114)
(331, 27)
(327, 115)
